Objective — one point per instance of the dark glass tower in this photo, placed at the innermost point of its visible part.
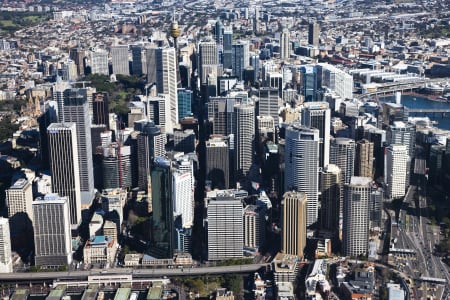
(161, 243)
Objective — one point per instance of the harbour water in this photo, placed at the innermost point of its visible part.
(417, 102)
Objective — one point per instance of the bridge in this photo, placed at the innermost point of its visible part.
(135, 273)
(399, 86)
(429, 111)
(432, 280)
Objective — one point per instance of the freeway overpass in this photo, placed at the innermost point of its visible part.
(135, 273)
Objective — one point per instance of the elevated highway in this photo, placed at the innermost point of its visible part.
(135, 273)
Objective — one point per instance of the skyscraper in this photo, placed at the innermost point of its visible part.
(183, 196)
(19, 198)
(356, 216)
(330, 195)
(77, 55)
(227, 48)
(239, 58)
(217, 114)
(76, 110)
(254, 227)
(364, 158)
(218, 32)
(318, 115)
(285, 45)
(63, 146)
(99, 62)
(243, 138)
(150, 143)
(120, 61)
(184, 141)
(136, 65)
(207, 57)
(100, 109)
(52, 239)
(269, 103)
(302, 166)
(6, 265)
(376, 208)
(309, 83)
(161, 244)
(402, 133)
(342, 154)
(217, 163)
(225, 225)
(166, 83)
(116, 166)
(313, 34)
(396, 166)
(184, 103)
(294, 223)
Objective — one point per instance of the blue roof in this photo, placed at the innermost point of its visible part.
(99, 239)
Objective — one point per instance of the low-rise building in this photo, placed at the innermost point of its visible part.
(285, 267)
(100, 249)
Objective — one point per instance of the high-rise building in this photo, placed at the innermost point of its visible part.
(184, 141)
(136, 65)
(254, 62)
(100, 109)
(120, 61)
(318, 115)
(313, 34)
(77, 55)
(336, 80)
(207, 56)
(63, 147)
(19, 198)
(243, 138)
(225, 229)
(218, 32)
(217, 163)
(239, 58)
(356, 216)
(166, 83)
(150, 143)
(294, 223)
(6, 265)
(330, 195)
(52, 239)
(302, 166)
(116, 166)
(395, 169)
(49, 116)
(309, 83)
(183, 197)
(376, 209)
(378, 138)
(402, 133)
(162, 242)
(159, 110)
(254, 227)
(342, 154)
(217, 114)
(184, 103)
(76, 110)
(58, 97)
(113, 202)
(99, 62)
(227, 48)
(269, 103)
(364, 158)
(285, 45)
